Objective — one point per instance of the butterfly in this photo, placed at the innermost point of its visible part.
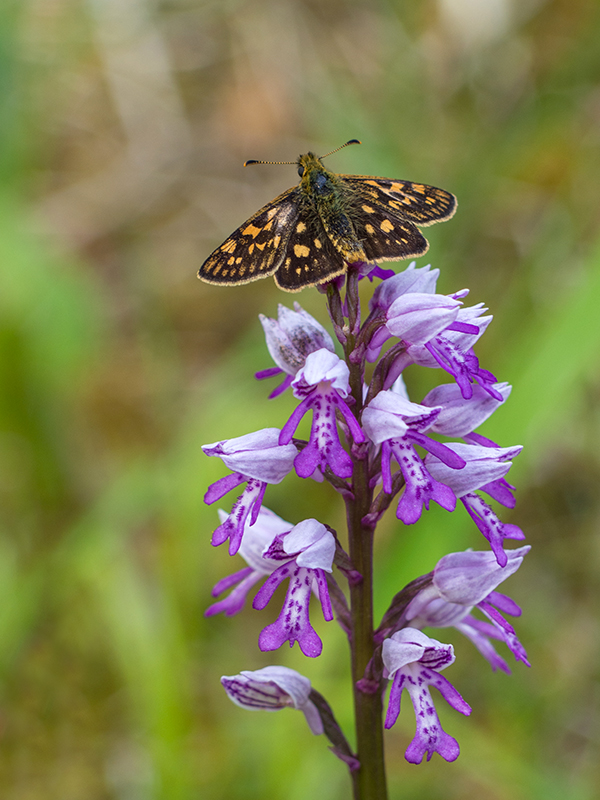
(312, 232)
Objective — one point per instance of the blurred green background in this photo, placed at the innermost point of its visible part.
(123, 128)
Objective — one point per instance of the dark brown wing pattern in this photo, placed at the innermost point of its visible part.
(416, 202)
(386, 237)
(309, 259)
(257, 248)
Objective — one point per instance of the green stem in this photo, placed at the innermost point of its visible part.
(369, 781)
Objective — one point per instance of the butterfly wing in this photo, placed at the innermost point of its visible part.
(257, 248)
(416, 202)
(310, 257)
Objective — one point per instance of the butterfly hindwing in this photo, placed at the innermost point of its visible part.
(421, 204)
(310, 258)
(387, 237)
(257, 248)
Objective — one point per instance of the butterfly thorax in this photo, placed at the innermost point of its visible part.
(324, 204)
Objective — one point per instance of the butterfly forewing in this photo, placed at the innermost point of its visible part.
(310, 258)
(257, 248)
(416, 202)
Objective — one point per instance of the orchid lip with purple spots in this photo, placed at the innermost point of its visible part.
(413, 662)
(323, 385)
(310, 549)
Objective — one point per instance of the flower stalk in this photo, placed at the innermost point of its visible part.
(378, 450)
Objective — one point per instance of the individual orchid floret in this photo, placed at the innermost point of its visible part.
(413, 662)
(457, 416)
(392, 421)
(307, 552)
(290, 339)
(462, 581)
(256, 459)
(322, 383)
(414, 317)
(255, 541)
(485, 467)
(452, 350)
(271, 689)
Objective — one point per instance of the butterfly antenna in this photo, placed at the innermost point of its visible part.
(352, 141)
(253, 161)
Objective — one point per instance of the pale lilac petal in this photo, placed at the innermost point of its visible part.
(316, 543)
(389, 413)
(483, 465)
(409, 645)
(469, 577)
(418, 317)
(256, 455)
(271, 689)
(422, 280)
(458, 416)
(320, 366)
(293, 336)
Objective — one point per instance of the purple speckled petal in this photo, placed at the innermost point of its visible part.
(288, 430)
(420, 487)
(220, 488)
(507, 632)
(233, 527)
(293, 623)
(324, 448)
(430, 737)
(267, 590)
(235, 601)
(494, 530)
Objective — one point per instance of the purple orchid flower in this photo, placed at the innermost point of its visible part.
(256, 540)
(307, 551)
(271, 689)
(413, 661)
(322, 383)
(290, 339)
(256, 459)
(452, 350)
(395, 423)
(485, 467)
(461, 582)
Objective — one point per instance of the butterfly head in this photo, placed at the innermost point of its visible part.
(307, 164)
